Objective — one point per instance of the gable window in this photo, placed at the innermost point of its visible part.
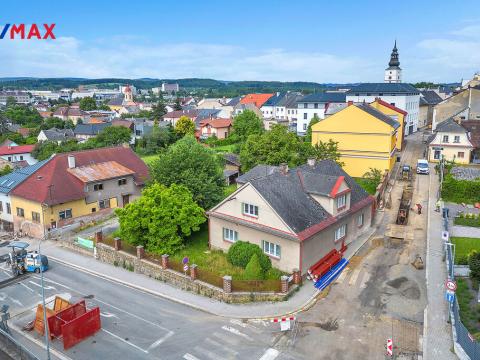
(340, 232)
(360, 220)
(97, 187)
(20, 212)
(341, 201)
(122, 182)
(104, 204)
(250, 210)
(271, 249)
(230, 235)
(9, 209)
(461, 155)
(456, 139)
(35, 217)
(65, 214)
(445, 138)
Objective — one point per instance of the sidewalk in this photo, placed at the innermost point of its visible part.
(299, 300)
(437, 336)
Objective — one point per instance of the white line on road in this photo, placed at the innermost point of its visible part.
(236, 332)
(223, 347)
(48, 287)
(27, 287)
(125, 341)
(208, 353)
(245, 325)
(160, 341)
(188, 356)
(226, 338)
(15, 301)
(354, 277)
(270, 354)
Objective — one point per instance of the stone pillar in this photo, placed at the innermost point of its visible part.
(193, 272)
(297, 277)
(227, 284)
(165, 262)
(140, 252)
(98, 237)
(284, 281)
(117, 244)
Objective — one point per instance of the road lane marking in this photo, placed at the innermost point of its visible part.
(188, 356)
(27, 287)
(354, 277)
(48, 287)
(208, 353)
(270, 354)
(15, 301)
(126, 341)
(225, 338)
(160, 341)
(245, 325)
(221, 346)
(236, 332)
(104, 313)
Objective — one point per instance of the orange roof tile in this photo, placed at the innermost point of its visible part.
(257, 99)
(101, 171)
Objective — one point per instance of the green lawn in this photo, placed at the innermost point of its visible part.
(463, 247)
(224, 148)
(469, 309)
(367, 184)
(148, 159)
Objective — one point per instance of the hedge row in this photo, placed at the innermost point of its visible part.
(460, 191)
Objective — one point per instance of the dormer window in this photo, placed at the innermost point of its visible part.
(341, 202)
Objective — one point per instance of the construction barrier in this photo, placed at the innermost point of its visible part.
(80, 328)
(55, 322)
(59, 305)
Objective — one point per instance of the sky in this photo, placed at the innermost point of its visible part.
(320, 41)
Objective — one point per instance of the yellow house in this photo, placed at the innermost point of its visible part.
(366, 137)
(396, 114)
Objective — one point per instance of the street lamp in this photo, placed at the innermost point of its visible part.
(45, 324)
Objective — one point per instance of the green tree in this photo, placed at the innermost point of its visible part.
(110, 136)
(177, 105)
(10, 101)
(185, 126)
(374, 175)
(52, 122)
(247, 123)
(240, 253)
(308, 135)
(326, 151)
(474, 264)
(253, 270)
(161, 218)
(157, 139)
(272, 148)
(23, 115)
(189, 163)
(158, 110)
(6, 170)
(88, 103)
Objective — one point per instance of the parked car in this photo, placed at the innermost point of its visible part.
(422, 167)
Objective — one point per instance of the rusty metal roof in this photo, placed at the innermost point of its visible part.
(101, 171)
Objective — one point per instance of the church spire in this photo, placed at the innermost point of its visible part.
(393, 74)
(394, 62)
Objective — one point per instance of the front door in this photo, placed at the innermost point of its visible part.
(125, 199)
(436, 154)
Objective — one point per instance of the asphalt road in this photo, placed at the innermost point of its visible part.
(136, 325)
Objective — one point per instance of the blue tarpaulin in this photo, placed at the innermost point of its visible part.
(326, 279)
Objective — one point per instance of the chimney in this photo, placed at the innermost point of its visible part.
(311, 162)
(349, 103)
(71, 161)
(284, 168)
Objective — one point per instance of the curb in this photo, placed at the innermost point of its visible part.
(307, 305)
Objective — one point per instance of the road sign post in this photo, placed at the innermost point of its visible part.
(451, 285)
(390, 347)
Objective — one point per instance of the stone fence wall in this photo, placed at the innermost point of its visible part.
(116, 257)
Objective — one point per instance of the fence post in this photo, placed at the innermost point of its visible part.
(284, 282)
(98, 237)
(227, 284)
(140, 252)
(117, 243)
(193, 272)
(165, 262)
(297, 277)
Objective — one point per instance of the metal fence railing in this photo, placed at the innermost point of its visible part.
(13, 346)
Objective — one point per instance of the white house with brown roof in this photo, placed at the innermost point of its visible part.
(295, 216)
(219, 127)
(450, 141)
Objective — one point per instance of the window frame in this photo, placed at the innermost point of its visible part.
(229, 235)
(9, 208)
(20, 212)
(65, 214)
(340, 235)
(445, 138)
(122, 181)
(98, 187)
(36, 217)
(456, 139)
(362, 218)
(104, 201)
(246, 210)
(267, 247)
(344, 205)
(463, 154)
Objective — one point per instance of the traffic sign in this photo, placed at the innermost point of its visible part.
(451, 285)
(185, 267)
(185, 260)
(390, 347)
(450, 296)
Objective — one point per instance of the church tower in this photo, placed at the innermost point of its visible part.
(393, 74)
(128, 96)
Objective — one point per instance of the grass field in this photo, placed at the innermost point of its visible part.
(224, 148)
(463, 247)
(148, 159)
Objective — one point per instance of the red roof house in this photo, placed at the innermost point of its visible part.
(257, 99)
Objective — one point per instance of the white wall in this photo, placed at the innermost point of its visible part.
(5, 198)
(20, 157)
(306, 114)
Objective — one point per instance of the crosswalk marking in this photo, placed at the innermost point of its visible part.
(208, 353)
(236, 332)
(225, 338)
(245, 325)
(354, 277)
(270, 354)
(342, 276)
(188, 356)
(223, 347)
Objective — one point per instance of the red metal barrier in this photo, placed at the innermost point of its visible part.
(81, 327)
(55, 322)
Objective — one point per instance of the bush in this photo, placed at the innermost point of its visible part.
(241, 252)
(474, 263)
(273, 274)
(462, 260)
(459, 191)
(254, 271)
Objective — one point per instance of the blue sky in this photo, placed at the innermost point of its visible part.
(323, 41)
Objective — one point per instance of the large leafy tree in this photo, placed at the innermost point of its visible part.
(272, 148)
(110, 136)
(191, 164)
(88, 103)
(52, 122)
(326, 151)
(161, 218)
(23, 115)
(308, 135)
(247, 123)
(185, 126)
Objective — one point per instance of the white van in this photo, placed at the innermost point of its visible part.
(422, 167)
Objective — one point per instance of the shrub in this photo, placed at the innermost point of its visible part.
(241, 252)
(273, 274)
(474, 263)
(462, 260)
(254, 271)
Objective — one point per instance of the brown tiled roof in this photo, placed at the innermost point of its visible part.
(473, 127)
(54, 184)
(125, 123)
(217, 122)
(100, 171)
(192, 114)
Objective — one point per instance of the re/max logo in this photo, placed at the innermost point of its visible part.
(18, 31)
